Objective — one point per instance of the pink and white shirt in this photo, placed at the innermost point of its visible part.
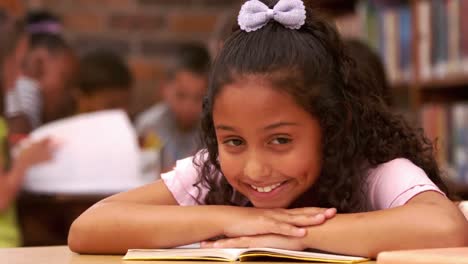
(389, 185)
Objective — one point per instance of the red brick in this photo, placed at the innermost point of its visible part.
(12, 6)
(83, 22)
(145, 70)
(101, 4)
(85, 44)
(136, 22)
(160, 48)
(192, 23)
(219, 3)
(157, 3)
(186, 3)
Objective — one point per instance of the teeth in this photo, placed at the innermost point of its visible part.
(266, 189)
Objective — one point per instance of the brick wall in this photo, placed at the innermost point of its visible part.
(146, 32)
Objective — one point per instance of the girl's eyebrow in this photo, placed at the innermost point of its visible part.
(280, 124)
(269, 127)
(224, 127)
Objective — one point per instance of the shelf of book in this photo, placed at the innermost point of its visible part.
(424, 46)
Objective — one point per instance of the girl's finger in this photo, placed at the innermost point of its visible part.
(330, 213)
(282, 228)
(301, 220)
(307, 211)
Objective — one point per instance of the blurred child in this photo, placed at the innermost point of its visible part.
(12, 50)
(174, 122)
(104, 82)
(12, 173)
(42, 92)
(43, 22)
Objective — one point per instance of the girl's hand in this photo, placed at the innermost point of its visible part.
(261, 241)
(242, 222)
(36, 153)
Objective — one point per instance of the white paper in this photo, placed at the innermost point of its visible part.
(98, 154)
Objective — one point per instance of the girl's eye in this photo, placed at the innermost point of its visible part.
(281, 141)
(233, 142)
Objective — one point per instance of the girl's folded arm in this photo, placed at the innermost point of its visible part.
(428, 220)
(147, 217)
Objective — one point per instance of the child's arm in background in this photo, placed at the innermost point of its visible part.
(149, 217)
(19, 125)
(428, 220)
(10, 183)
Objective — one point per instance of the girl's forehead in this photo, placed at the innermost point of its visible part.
(255, 99)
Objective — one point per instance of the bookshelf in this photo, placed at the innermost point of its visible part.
(424, 46)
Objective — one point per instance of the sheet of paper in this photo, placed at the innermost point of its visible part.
(98, 154)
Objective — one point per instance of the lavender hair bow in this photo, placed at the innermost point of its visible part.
(255, 14)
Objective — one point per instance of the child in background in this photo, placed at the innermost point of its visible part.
(104, 82)
(42, 93)
(11, 175)
(39, 22)
(174, 123)
(300, 152)
(12, 50)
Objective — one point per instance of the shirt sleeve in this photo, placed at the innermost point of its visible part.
(180, 182)
(394, 183)
(24, 98)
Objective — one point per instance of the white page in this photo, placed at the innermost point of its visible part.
(98, 154)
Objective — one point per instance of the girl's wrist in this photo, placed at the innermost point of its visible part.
(221, 218)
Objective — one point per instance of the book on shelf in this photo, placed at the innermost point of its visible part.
(429, 34)
(238, 254)
(447, 126)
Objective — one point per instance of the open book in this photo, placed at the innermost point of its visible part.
(235, 254)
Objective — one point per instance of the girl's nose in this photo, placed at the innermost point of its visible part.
(256, 170)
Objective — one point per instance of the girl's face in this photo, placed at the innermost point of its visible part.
(269, 147)
(56, 81)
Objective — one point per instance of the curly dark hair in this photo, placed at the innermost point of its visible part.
(360, 131)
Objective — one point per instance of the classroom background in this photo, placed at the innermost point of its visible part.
(423, 45)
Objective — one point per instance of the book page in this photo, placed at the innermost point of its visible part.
(216, 254)
(233, 254)
(97, 154)
(299, 255)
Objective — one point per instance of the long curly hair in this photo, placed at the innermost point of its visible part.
(310, 64)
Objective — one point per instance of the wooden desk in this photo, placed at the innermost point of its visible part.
(46, 219)
(62, 255)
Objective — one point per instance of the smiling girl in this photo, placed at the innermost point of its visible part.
(299, 153)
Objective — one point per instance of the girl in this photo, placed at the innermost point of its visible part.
(290, 129)
(11, 175)
(43, 92)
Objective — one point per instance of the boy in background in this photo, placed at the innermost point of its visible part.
(173, 124)
(104, 82)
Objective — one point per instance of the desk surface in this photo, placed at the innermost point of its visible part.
(62, 255)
